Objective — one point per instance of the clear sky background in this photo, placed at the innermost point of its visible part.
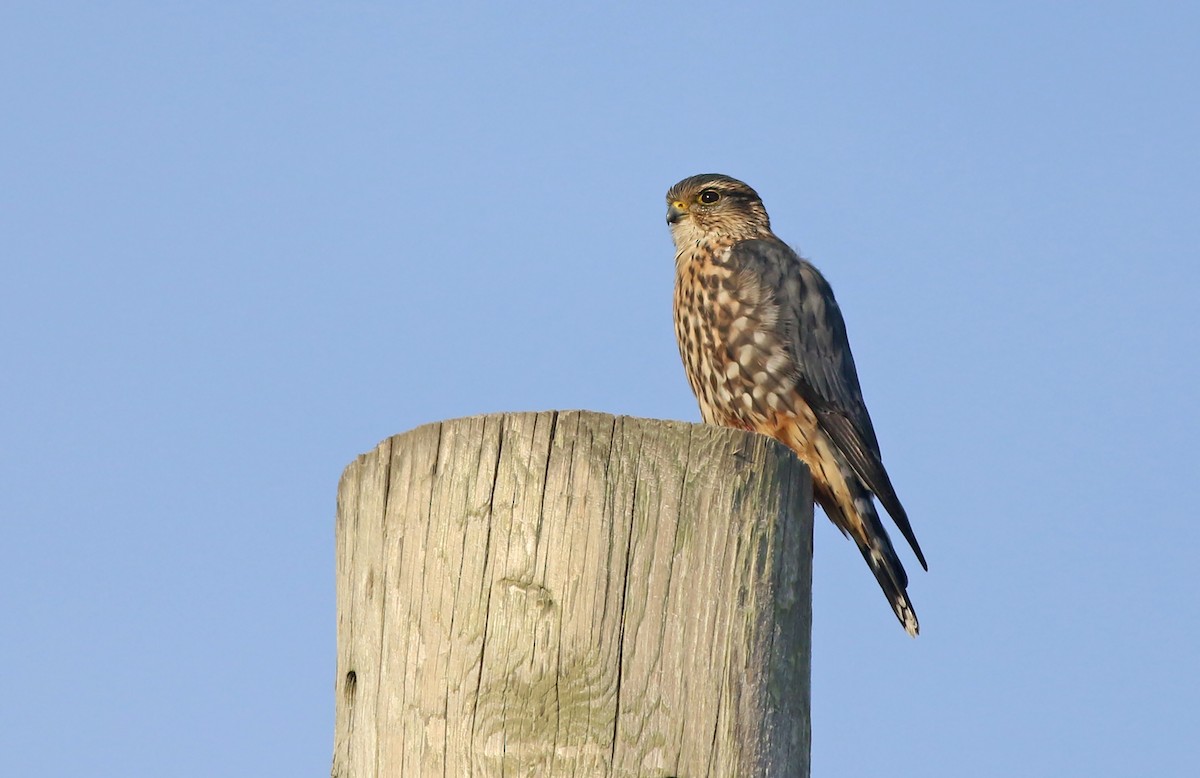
(244, 242)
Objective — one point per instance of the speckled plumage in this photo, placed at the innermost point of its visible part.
(765, 349)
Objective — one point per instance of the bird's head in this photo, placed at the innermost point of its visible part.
(711, 205)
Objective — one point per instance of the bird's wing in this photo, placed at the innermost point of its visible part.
(826, 378)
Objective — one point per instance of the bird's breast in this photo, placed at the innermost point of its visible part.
(732, 343)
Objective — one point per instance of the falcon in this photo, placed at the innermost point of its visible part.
(765, 349)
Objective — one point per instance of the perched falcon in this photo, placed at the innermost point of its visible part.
(765, 349)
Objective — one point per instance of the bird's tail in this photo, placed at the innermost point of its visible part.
(877, 549)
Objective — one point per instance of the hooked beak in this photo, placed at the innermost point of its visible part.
(675, 212)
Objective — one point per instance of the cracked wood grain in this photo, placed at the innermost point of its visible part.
(573, 594)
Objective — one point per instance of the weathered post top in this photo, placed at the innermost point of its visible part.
(573, 594)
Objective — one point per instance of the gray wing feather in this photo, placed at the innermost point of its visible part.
(827, 377)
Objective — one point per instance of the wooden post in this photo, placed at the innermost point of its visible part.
(573, 594)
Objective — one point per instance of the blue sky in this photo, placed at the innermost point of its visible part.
(242, 243)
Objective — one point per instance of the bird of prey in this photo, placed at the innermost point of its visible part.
(765, 349)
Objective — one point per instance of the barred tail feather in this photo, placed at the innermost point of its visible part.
(877, 550)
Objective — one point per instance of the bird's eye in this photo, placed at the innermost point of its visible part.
(709, 196)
